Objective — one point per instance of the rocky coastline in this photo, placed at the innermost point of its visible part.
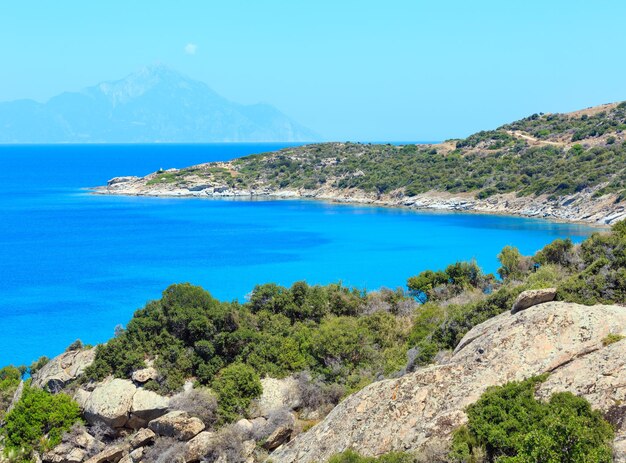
(581, 207)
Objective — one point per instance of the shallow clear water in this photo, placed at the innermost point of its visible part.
(74, 265)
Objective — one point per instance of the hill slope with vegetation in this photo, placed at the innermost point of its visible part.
(566, 166)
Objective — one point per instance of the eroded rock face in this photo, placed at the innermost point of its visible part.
(408, 412)
(533, 297)
(62, 369)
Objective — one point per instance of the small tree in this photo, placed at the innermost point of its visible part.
(510, 261)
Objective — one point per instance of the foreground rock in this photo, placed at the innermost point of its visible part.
(423, 407)
(533, 297)
(62, 369)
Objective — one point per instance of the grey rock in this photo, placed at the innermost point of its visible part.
(277, 393)
(198, 447)
(178, 425)
(142, 438)
(145, 374)
(110, 402)
(533, 297)
(146, 406)
(62, 369)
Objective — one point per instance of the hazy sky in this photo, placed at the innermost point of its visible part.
(350, 70)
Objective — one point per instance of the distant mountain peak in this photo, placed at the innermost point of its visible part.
(154, 104)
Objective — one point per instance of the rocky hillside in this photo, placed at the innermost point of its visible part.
(422, 409)
(561, 166)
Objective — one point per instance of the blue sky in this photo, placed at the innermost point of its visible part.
(350, 70)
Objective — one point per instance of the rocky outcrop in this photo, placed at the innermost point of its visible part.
(533, 297)
(62, 369)
(409, 412)
(178, 425)
(119, 403)
(277, 393)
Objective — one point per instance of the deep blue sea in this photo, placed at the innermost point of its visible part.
(74, 265)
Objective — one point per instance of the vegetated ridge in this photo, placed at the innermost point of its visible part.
(560, 166)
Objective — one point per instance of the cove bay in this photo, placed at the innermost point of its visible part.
(75, 265)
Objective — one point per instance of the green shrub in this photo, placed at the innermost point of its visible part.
(10, 378)
(38, 421)
(38, 364)
(236, 386)
(507, 424)
(611, 338)
(511, 263)
(350, 456)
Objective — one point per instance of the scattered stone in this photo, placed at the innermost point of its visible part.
(111, 454)
(280, 435)
(62, 369)
(64, 453)
(244, 425)
(198, 447)
(533, 297)
(144, 375)
(142, 438)
(177, 424)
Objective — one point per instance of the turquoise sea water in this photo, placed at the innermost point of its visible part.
(74, 265)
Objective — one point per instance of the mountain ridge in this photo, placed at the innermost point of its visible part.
(154, 105)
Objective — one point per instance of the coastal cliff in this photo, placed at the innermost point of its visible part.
(569, 167)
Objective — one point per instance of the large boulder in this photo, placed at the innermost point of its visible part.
(110, 402)
(419, 408)
(146, 406)
(178, 425)
(533, 297)
(62, 369)
(277, 394)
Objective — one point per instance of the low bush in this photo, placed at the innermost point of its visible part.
(38, 421)
(198, 402)
(236, 386)
(508, 425)
(350, 456)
